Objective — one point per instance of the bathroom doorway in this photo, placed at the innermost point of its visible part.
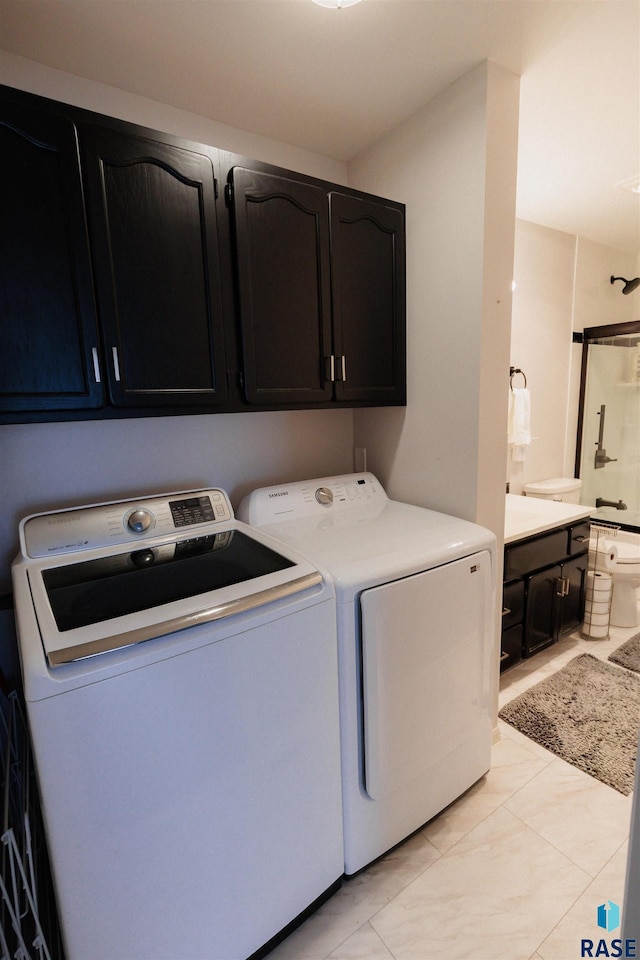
(608, 442)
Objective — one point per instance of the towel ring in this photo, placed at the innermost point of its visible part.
(512, 373)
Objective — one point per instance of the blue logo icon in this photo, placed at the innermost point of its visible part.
(609, 917)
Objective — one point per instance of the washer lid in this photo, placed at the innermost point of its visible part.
(97, 583)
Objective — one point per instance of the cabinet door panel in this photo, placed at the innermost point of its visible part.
(541, 618)
(281, 245)
(368, 298)
(511, 647)
(579, 538)
(534, 554)
(47, 311)
(153, 225)
(572, 607)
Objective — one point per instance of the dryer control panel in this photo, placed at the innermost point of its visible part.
(307, 498)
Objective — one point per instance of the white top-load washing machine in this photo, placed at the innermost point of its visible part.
(415, 596)
(181, 681)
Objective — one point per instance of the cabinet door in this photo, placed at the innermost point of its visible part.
(368, 298)
(541, 612)
(154, 240)
(47, 312)
(574, 573)
(281, 240)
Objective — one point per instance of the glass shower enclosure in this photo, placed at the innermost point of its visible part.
(608, 442)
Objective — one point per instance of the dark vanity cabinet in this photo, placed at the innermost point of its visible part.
(544, 589)
(152, 221)
(48, 324)
(320, 278)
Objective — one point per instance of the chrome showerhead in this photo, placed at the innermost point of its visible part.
(629, 285)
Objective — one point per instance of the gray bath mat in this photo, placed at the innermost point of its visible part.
(628, 655)
(588, 713)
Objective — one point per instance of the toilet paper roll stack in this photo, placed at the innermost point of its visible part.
(597, 605)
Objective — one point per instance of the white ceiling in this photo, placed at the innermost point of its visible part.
(334, 81)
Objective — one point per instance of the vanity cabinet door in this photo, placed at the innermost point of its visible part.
(48, 327)
(541, 612)
(523, 558)
(574, 574)
(155, 256)
(281, 238)
(368, 299)
(579, 538)
(512, 614)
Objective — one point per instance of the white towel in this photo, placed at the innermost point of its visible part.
(519, 422)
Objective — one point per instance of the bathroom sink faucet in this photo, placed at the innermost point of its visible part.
(620, 505)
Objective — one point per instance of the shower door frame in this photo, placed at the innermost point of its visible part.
(591, 334)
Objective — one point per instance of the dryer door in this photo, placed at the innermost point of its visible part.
(426, 655)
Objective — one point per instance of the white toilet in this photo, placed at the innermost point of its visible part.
(625, 573)
(564, 489)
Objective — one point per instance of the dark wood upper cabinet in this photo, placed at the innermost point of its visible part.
(321, 291)
(281, 236)
(50, 346)
(152, 222)
(368, 298)
(130, 285)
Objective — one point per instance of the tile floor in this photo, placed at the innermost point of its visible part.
(515, 869)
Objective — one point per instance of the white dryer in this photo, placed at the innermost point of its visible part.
(415, 596)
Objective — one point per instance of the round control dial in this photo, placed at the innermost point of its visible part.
(138, 521)
(324, 496)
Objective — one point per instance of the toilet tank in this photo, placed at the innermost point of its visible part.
(566, 489)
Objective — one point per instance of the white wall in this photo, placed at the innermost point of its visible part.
(60, 464)
(541, 346)
(454, 164)
(562, 286)
(44, 81)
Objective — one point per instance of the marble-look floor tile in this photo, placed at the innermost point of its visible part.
(580, 922)
(583, 818)
(494, 895)
(357, 901)
(364, 944)
(512, 765)
(505, 730)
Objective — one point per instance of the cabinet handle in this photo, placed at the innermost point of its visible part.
(331, 366)
(505, 611)
(563, 587)
(116, 363)
(580, 539)
(96, 364)
(504, 656)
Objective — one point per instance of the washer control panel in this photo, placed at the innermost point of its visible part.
(310, 498)
(125, 521)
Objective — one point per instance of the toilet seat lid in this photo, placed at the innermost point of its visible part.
(627, 552)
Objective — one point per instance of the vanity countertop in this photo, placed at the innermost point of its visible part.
(526, 516)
